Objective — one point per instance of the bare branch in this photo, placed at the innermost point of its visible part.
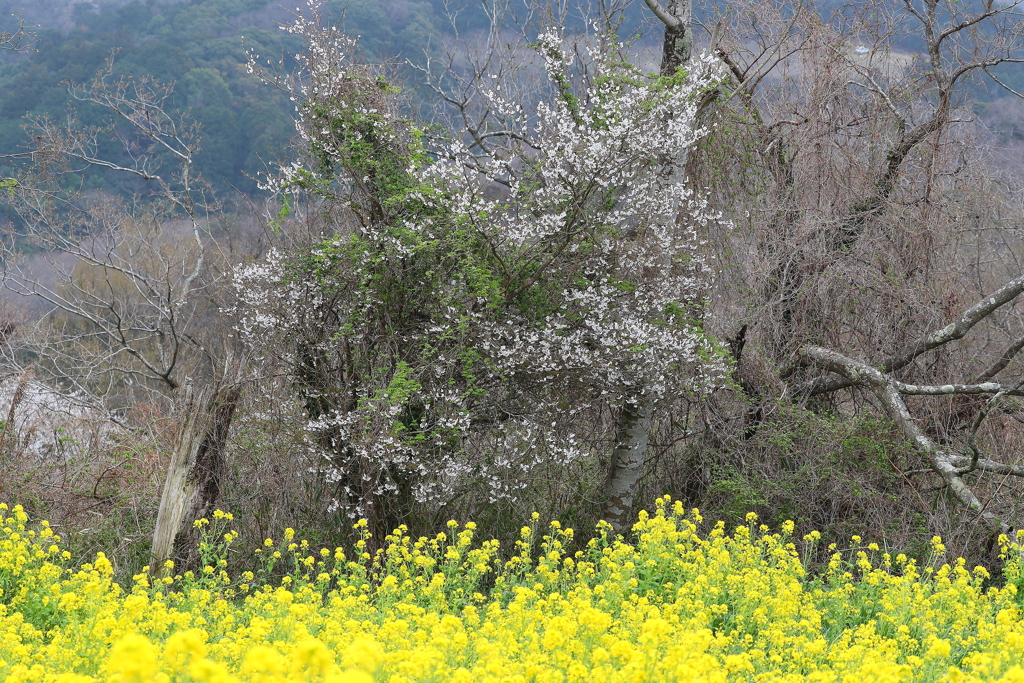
(1004, 86)
(20, 39)
(955, 330)
(1003, 361)
(127, 280)
(885, 389)
(978, 420)
(961, 326)
(666, 17)
(948, 389)
(985, 465)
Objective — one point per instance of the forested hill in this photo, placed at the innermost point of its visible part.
(198, 44)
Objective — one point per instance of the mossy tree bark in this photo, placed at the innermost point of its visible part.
(633, 426)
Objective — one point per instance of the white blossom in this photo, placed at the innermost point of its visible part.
(594, 259)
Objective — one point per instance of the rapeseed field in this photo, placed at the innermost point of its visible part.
(677, 604)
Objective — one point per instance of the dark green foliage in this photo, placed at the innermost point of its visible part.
(841, 475)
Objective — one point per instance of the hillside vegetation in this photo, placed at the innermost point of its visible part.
(199, 46)
(528, 262)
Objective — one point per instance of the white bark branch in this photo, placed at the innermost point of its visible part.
(946, 389)
(663, 14)
(1003, 361)
(955, 330)
(945, 464)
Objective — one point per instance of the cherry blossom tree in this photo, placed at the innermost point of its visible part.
(471, 305)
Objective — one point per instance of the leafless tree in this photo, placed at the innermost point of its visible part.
(844, 161)
(950, 466)
(125, 280)
(130, 284)
(849, 138)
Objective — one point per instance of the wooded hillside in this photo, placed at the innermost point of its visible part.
(564, 259)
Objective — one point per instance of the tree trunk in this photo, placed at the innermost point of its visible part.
(634, 422)
(194, 475)
(678, 45)
(631, 433)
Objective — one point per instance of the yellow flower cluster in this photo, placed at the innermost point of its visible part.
(677, 605)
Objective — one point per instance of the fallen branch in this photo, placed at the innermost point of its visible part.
(887, 390)
(955, 330)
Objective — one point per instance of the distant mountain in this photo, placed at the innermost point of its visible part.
(54, 14)
(196, 44)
